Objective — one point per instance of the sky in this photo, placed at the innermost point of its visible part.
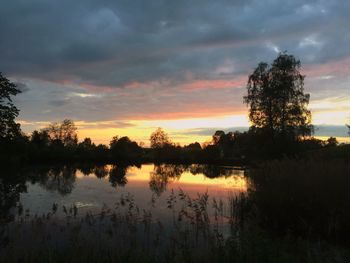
(127, 67)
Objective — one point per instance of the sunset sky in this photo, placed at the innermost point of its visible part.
(128, 67)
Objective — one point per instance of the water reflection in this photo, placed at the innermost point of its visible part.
(117, 175)
(59, 179)
(163, 174)
(96, 185)
(10, 189)
(100, 171)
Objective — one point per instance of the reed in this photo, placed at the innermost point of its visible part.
(201, 229)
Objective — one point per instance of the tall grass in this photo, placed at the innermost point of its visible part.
(308, 198)
(201, 229)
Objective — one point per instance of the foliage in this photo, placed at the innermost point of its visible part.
(332, 141)
(8, 112)
(64, 132)
(40, 138)
(276, 98)
(159, 139)
(125, 149)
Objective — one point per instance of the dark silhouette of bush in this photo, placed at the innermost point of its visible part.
(124, 149)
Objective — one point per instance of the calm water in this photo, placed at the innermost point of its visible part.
(90, 188)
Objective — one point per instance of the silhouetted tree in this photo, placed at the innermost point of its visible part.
(87, 143)
(40, 138)
(276, 97)
(64, 132)
(159, 139)
(124, 149)
(332, 141)
(8, 111)
(218, 135)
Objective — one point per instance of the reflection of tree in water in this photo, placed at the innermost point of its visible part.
(87, 169)
(213, 171)
(117, 175)
(100, 171)
(60, 179)
(10, 189)
(162, 175)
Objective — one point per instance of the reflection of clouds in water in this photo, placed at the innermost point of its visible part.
(81, 204)
(89, 191)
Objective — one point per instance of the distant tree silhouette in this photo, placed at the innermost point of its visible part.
(159, 138)
(124, 149)
(40, 138)
(64, 132)
(332, 141)
(276, 97)
(217, 137)
(87, 142)
(8, 111)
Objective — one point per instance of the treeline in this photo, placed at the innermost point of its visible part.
(59, 143)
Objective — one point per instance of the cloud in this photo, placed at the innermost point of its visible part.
(104, 125)
(57, 103)
(112, 42)
(102, 60)
(331, 130)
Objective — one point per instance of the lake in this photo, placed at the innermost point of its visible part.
(91, 188)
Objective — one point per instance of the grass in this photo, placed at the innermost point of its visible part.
(200, 229)
(308, 198)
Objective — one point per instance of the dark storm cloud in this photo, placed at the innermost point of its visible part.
(103, 60)
(117, 42)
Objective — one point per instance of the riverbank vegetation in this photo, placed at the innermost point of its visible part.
(127, 233)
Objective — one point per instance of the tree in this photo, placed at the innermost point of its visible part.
(332, 141)
(276, 98)
(40, 138)
(64, 132)
(159, 139)
(8, 111)
(124, 149)
(113, 142)
(87, 143)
